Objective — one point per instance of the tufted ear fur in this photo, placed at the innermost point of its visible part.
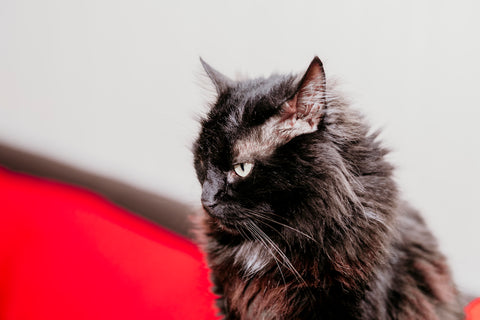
(220, 81)
(306, 107)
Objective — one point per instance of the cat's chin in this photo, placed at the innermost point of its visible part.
(228, 228)
(223, 226)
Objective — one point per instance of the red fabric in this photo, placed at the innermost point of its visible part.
(66, 253)
(473, 310)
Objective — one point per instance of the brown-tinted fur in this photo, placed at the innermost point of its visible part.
(317, 229)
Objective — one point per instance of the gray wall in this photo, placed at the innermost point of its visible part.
(114, 87)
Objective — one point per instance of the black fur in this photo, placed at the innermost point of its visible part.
(319, 220)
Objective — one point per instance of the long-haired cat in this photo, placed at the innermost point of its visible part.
(303, 219)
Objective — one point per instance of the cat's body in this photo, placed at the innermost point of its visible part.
(303, 219)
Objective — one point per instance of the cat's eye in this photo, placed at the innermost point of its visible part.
(243, 169)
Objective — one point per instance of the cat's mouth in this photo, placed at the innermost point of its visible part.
(211, 209)
(226, 216)
(219, 211)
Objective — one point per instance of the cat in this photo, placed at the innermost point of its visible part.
(302, 218)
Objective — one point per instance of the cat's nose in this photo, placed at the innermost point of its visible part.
(212, 190)
(209, 195)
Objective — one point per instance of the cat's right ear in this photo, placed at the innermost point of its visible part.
(220, 81)
(305, 109)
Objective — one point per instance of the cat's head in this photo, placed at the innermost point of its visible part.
(274, 148)
(239, 158)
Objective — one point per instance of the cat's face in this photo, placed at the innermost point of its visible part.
(243, 155)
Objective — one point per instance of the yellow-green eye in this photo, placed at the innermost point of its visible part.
(243, 169)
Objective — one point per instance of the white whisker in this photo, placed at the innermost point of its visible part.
(288, 264)
(261, 216)
(259, 238)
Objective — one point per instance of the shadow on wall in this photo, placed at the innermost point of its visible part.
(160, 210)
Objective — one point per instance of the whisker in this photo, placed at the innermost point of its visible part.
(259, 238)
(285, 261)
(261, 216)
(273, 228)
(243, 233)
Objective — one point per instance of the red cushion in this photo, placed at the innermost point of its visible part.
(473, 310)
(66, 253)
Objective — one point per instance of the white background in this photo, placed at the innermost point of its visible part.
(115, 87)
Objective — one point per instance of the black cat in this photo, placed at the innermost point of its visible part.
(303, 219)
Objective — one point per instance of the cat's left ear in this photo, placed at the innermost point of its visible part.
(220, 81)
(306, 107)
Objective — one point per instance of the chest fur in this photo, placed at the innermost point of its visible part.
(252, 258)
